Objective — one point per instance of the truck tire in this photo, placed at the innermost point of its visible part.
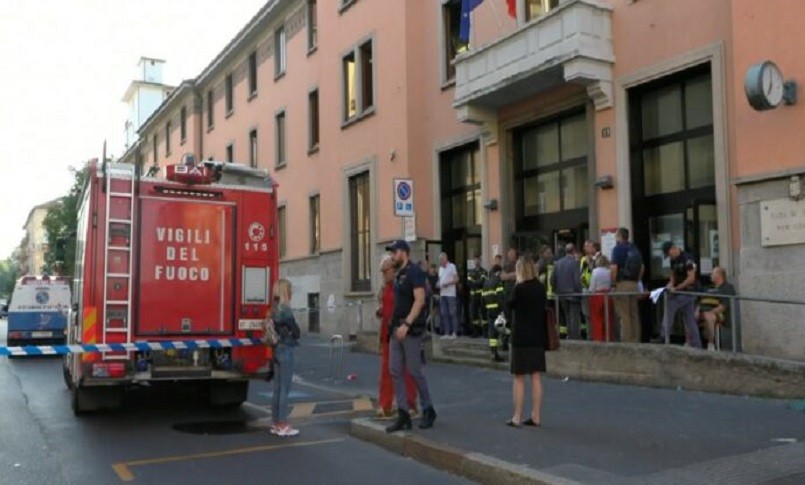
(68, 377)
(88, 399)
(228, 395)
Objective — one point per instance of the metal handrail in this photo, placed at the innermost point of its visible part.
(732, 299)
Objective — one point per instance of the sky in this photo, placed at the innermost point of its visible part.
(64, 67)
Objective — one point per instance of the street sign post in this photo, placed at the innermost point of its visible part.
(403, 197)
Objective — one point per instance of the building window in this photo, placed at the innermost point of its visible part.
(230, 153)
(154, 148)
(253, 148)
(253, 73)
(281, 152)
(279, 52)
(536, 8)
(312, 25)
(315, 224)
(210, 110)
(360, 230)
(283, 233)
(313, 118)
(183, 124)
(358, 75)
(675, 136)
(168, 128)
(229, 97)
(453, 45)
(460, 188)
(552, 173)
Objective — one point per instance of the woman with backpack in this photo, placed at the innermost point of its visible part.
(287, 339)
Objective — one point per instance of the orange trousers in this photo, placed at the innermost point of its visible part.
(386, 398)
(598, 310)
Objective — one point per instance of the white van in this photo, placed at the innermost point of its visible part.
(38, 311)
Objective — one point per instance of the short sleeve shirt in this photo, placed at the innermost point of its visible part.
(619, 255)
(406, 280)
(712, 299)
(446, 274)
(681, 265)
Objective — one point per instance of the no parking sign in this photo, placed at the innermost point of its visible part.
(403, 197)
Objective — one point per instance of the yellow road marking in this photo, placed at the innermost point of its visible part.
(362, 404)
(124, 473)
(303, 410)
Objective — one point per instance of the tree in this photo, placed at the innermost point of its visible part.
(8, 276)
(60, 224)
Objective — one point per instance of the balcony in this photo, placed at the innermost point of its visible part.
(570, 44)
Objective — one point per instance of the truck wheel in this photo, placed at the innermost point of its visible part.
(229, 395)
(68, 377)
(88, 399)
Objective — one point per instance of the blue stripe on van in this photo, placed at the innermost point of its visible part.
(21, 321)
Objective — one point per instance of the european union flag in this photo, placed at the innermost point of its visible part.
(467, 6)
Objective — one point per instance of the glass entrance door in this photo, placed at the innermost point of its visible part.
(695, 229)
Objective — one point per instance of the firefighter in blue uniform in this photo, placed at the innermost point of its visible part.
(475, 281)
(493, 304)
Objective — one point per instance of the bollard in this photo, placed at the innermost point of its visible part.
(665, 319)
(333, 375)
(360, 316)
(733, 322)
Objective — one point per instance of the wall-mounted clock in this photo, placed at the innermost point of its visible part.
(766, 88)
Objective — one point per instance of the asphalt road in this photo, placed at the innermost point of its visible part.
(155, 439)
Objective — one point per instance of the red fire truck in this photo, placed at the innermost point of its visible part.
(187, 254)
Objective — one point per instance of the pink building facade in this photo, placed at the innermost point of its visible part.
(559, 124)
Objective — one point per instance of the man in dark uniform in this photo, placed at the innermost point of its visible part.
(493, 302)
(683, 278)
(407, 330)
(475, 281)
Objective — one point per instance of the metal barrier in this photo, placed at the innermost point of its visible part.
(332, 375)
(733, 313)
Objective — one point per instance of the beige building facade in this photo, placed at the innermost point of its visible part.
(558, 124)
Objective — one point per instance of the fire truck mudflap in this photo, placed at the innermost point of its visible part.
(191, 256)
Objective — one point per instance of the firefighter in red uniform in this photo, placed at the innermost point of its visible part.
(385, 312)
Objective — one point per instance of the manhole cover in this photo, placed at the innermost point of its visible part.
(214, 427)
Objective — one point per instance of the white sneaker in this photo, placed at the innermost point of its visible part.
(453, 337)
(711, 346)
(288, 432)
(444, 337)
(275, 430)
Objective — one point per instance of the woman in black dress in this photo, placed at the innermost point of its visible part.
(529, 341)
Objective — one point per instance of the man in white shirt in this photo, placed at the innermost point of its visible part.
(448, 300)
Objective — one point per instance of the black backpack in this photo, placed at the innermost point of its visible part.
(633, 264)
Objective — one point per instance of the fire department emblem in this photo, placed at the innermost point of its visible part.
(256, 232)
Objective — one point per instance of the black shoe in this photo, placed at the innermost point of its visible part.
(403, 422)
(428, 418)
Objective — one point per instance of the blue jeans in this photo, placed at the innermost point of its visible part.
(283, 375)
(448, 314)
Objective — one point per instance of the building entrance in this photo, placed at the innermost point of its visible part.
(673, 170)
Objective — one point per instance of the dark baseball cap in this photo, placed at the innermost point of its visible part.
(397, 245)
(666, 247)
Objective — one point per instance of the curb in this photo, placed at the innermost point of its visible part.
(474, 466)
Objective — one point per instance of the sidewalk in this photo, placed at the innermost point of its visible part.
(593, 433)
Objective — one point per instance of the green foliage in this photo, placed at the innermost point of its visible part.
(8, 277)
(60, 224)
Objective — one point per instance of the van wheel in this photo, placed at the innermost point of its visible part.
(76, 401)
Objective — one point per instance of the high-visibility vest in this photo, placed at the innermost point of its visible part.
(545, 279)
(586, 272)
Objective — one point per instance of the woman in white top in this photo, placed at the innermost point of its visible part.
(600, 303)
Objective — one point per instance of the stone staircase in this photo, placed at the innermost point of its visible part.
(465, 350)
